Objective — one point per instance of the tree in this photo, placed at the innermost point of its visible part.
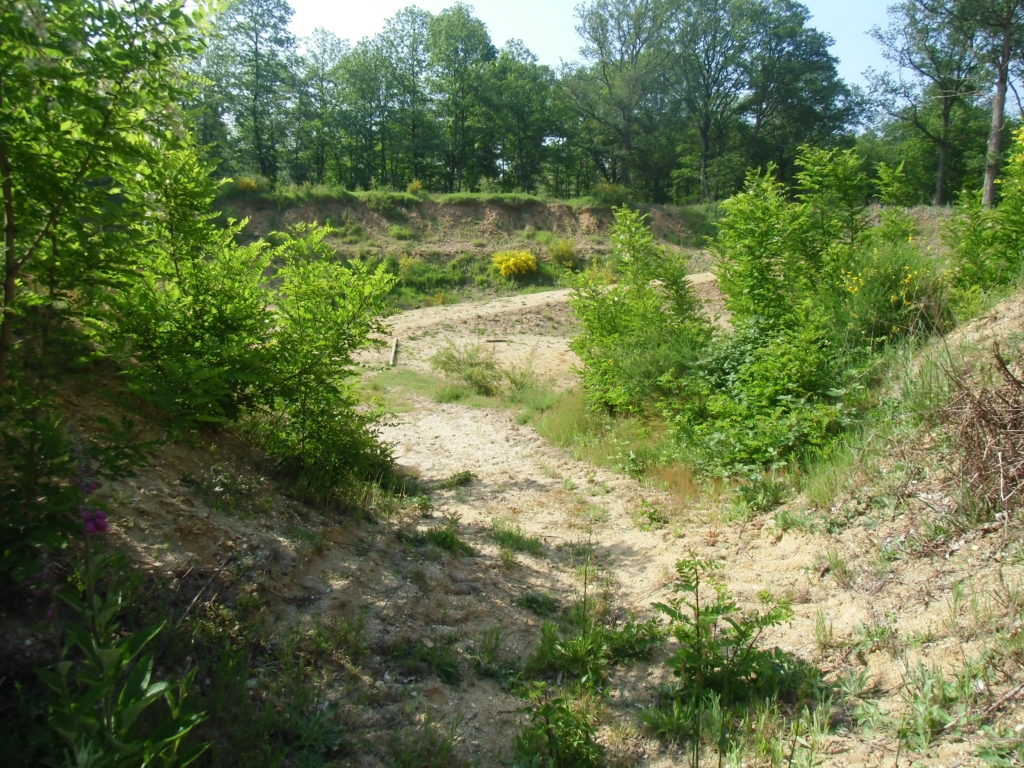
(89, 88)
(459, 48)
(795, 95)
(629, 43)
(521, 103)
(366, 76)
(415, 135)
(940, 60)
(259, 45)
(317, 107)
(1000, 26)
(713, 43)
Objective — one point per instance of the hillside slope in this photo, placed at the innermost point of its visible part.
(410, 641)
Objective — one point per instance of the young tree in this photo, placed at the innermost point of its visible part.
(89, 88)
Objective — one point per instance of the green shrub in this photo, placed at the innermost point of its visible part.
(563, 253)
(644, 332)
(245, 184)
(325, 312)
(558, 735)
(813, 293)
(475, 366)
(399, 232)
(611, 194)
(513, 263)
(988, 244)
(190, 329)
(388, 204)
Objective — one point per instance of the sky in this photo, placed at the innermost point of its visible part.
(548, 27)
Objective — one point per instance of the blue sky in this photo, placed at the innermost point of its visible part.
(548, 27)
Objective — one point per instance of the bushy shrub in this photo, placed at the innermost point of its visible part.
(324, 312)
(563, 252)
(400, 232)
(812, 291)
(611, 194)
(191, 324)
(513, 263)
(641, 334)
(249, 184)
(475, 366)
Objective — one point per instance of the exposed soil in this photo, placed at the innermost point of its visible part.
(206, 508)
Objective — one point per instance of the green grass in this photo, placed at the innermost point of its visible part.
(444, 537)
(508, 535)
(511, 199)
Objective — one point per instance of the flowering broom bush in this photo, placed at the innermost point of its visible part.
(512, 263)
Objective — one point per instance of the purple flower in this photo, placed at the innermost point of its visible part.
(95, 520)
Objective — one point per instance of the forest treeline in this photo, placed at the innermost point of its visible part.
(671, 100)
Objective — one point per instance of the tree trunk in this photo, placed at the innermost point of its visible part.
(995, 134)
(10, 270)
(941, 168)
(942, 164)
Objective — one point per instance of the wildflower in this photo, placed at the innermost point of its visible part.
(94, 520)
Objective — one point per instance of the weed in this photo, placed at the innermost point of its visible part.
(460, 479)
(824, 634)
(835, 564)
(585, 649)
(487, 660)
(444, 537)
(762, 492)
(540, 603)
(1002, 747)
(596, 513)
(401, 232)
(510, 536)
(649, 516)
(788, 519)
(426, 745)
(935, 703)
(424, 658)
(877, 635)
(558, 735)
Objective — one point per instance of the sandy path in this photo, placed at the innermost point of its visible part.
(519, 474)
(530, 330)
